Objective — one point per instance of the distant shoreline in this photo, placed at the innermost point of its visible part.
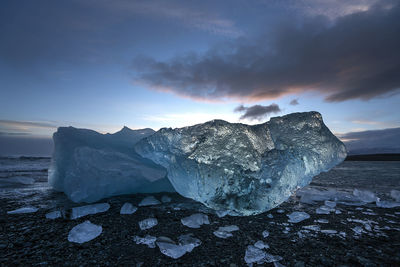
(374, 157)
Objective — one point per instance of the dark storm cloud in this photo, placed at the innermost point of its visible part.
(357, 56)
(257, 112)
(294, 102)
(374, 141)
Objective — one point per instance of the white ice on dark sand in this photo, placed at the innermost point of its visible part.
(84, 232)
(225, 231)
(261, 245)
(265, 234)
(186, 244)
(148, 223)
(128, 208)
(298, 216)
(365, 195)
(148, 240)
(81, 211)
(149, 201)
(53, 215)
(257, 255)
(195, 220)
(23, 210)
(246, 169)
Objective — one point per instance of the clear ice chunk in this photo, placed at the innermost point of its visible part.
(186, 244)
(148, 223)
(148, 240)
(88, 166)
(365, 195)
(149, 201)
(128, 208)
(78, 212)
(387, 204)
(53, 215)
(265, 234)
(246, 169)
(395, 194)
(225, 231)
(84, 232)
(297, 216)
(261, 245)
(254, 255)
(23, 210)
(195, 220)
(189, 242)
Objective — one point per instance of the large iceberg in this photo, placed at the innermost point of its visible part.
(241, 168)
(88, 166)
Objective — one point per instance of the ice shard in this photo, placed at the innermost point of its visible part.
(88, 166)
(246, 169)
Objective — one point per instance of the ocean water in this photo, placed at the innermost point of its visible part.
(24, 180)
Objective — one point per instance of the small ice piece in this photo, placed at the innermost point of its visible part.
(395, 194)
(365, 195)
(386, 204)
(195, 220)
(148, 240)
(272, 258)
(148, 223)
(28, 209)
(171, 250)
(323, 210)
(343, 234)
(225, 232)
(261, 245)
(189, 242)
(312, 227)
(78, 212)
(254, 255)
(338, 212)
(265, 234)
(84, 232)
(322, 221)
(128, 208)
(270, 216)
(221, 213)
(165, 199)
(330, 204)
(297, 216)
(329, 232)
(53, 215)
(280, 211)
(149, 201)
(358, 230)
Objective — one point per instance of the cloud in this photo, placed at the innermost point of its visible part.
(373, 141)
(355, 56)
(23, 128)
(257, 112)
(294, 102)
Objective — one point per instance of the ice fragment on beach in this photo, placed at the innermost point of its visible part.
(261, 245)
(329, 232)
(322, 221)
(165, 199)
(297, 216)
(149, 201)
(246, 169)
(225, 232)
(365, 195)
(222, 213)
(78, 212)
(312, 227)
(128, 208)
(189, 242)
(84, 232)
(265, 234)
(387, 204)
(53, 215)
(186, 244)
(195, 220)
(270, 216)
(148, 223)
(23, 210)
(280, 211)
(358, 230)
(395, 194)
(330, 204)
(254, 255)
(147, 240)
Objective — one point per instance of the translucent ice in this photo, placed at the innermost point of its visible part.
(23, 210)
(84, 232)
(265, 234)
(365, 195)
(244, 169)
(261, 245)
(387, 204)
(78, 212)
(165, 199)
(189, 242)
(298, 216)
(53, 215)
(186, 244)
(225, 232)
(149, 201)
(254, 255)
(128, 208)
(148, 240)
(88, 166)
(148, 223)
(195, 220)
(395, 194)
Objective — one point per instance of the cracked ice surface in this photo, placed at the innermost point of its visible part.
(241, 168)
(84, 232)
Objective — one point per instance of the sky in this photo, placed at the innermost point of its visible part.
(107, 64)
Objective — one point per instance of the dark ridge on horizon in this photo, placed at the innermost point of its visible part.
(374, 157)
